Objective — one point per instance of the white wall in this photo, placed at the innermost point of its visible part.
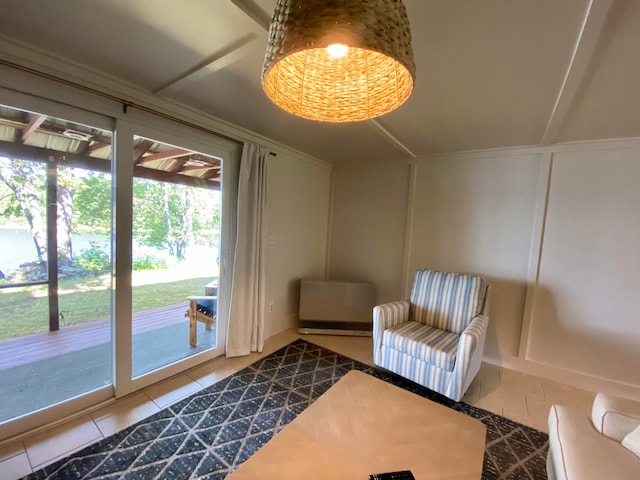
(484, 213)
(298, 209)
(586, 309)
(368, 225)
(475, 215)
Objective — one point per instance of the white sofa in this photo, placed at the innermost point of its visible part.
(583, 449)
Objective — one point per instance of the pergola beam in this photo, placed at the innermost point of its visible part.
(98, 146)
(43, 155)
(175, 153)
(32, 126)
(140, 149)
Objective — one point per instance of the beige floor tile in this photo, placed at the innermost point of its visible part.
(14, 467)
(280, 340)
(538, 407)
(52, 444)
(170, 391)
(561, 394)
(472, 395)
(123, 413)
(488, 378)
(211, 372)
(521, 382)
(503, 401)
(11, 450)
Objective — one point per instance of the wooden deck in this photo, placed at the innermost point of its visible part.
(40, 346)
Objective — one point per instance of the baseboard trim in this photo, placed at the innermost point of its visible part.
(567, 377)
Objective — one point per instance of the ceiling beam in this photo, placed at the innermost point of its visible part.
(254, 12)
(390, 137)
(586, 46)
(217, 61)
(33, 125)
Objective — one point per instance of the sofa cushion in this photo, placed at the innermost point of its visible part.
(632, 441)
(447, 301)
(578, 451)
(432, 345)
(615, 417)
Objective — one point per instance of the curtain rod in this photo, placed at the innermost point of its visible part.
(125, 103)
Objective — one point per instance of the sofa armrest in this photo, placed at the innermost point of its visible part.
(386, 316)
(615, 417)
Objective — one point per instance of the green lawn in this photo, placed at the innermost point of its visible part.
(25, 310)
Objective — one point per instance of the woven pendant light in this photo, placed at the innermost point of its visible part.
(339, 60)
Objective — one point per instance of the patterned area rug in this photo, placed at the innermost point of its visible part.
(209, 434)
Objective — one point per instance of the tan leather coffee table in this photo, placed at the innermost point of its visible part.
(363, 425)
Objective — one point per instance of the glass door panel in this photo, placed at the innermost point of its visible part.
(55, 327)
(175, 245)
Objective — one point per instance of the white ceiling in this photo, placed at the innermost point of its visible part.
(491, 73)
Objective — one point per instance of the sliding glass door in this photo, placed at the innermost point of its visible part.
(55, 262)
(115, 239)
(176, 252)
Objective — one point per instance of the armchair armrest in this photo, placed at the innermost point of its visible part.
(389, 314)
(615, 417)
(472, 335)
(385, 316)
(469, 356)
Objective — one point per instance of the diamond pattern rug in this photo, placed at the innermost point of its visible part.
(209, 434)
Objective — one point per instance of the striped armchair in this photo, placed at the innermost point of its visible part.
(437, 337)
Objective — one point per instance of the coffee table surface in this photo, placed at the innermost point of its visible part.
(363, 425)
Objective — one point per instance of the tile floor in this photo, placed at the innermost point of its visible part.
(521, 397)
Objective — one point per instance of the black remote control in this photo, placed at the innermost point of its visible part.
(400, 475)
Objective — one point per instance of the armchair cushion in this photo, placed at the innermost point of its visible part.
(429, 344)
(445, 300)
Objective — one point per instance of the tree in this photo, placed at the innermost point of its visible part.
(64, 197)
(92, 201)
(170, 216)
(26, 180)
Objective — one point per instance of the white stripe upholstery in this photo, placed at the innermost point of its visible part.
(409, 340)
(386, 316)
(426, 343)
(446, 300)
(414, 369)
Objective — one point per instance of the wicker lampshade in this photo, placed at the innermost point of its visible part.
(374, 76)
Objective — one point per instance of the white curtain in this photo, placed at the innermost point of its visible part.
(247, 311)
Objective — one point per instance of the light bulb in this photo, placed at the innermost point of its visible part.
(337, 50)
